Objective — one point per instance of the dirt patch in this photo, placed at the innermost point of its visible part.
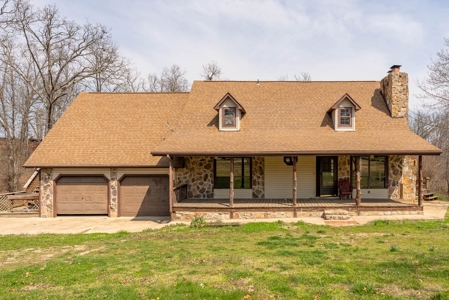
(38, 255)
(338, 223)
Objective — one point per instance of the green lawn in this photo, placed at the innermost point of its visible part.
(381, 260)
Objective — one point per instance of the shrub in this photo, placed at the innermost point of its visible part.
(198, 222)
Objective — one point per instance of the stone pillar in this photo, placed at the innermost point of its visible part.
(394, 88)
(113, 205)
(402, 176)
(344, 166)
(395, 176)
(46, 193)
(409, 177)
(258, 184)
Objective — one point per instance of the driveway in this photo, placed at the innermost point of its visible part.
(432, 211)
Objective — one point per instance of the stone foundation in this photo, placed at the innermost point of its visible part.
(258, 184)
(46, 193)
(251, 215)
(198, 174)
(210, 216)
(390, 213)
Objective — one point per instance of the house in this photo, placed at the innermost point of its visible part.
(234, 149)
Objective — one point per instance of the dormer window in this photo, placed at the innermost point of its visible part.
(230, 113)
(343, 113)
(229, 116)
(345, 117)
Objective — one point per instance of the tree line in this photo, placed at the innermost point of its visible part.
(431, 120)
(45, 61)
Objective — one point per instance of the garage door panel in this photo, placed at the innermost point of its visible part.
(85, 195)
(144, 196)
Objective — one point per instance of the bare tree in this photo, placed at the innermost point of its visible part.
(211, 71)
(436, 86)
(171, 80)
(434, 127)
(16, 104)
(303, 76)
(58, 50)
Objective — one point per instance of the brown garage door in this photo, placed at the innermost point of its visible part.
(86, 195)
(144, 196)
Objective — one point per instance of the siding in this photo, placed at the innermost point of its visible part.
(279, 177)
(372, 194)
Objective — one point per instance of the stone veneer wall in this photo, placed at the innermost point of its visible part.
(394, 87)
(258, 184)
(46, 193)
(402, 171)
(344, 166)
(113, 191)
(198, 174)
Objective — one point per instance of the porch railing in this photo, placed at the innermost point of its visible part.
(19, 202)
(180, 192)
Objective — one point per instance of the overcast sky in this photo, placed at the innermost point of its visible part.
(250, 40)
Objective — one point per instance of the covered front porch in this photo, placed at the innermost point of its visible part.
(292, 186)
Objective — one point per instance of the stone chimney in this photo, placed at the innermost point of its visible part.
(394, 88)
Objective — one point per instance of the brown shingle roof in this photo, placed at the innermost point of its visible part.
(290, 118)
(123, 129)
(110, 129)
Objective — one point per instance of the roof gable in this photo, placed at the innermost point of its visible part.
(230, 97)
(343, 98)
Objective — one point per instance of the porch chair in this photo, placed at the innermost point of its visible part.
(344, 187)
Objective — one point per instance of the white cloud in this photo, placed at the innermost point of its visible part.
(264, 39)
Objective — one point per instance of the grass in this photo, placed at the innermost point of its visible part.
(380, 260)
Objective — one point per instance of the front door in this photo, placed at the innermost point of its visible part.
(327, 168)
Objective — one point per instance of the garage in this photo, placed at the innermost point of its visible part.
(82, 195)
(144, 196)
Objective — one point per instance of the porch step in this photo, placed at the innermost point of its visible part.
(430, 197)
(336, 214)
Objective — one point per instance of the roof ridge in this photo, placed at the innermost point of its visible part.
(289, 81)
(125, 93)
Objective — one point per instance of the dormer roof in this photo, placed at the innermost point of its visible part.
(230, 97)
(349, 98)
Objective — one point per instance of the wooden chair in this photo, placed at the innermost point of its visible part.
(344, 187)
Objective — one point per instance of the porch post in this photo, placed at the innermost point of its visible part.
(358, 198)
(295, 181)
(420, 181)
(170, 186)
(231, 182)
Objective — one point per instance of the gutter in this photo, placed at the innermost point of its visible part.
(299, 153)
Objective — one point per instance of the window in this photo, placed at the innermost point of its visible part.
(373, 170)
(242, 173)
(345, 117)
(229, 114)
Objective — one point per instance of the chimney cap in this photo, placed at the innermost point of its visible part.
(395, 67)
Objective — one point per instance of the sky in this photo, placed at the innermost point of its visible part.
(266, 39)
